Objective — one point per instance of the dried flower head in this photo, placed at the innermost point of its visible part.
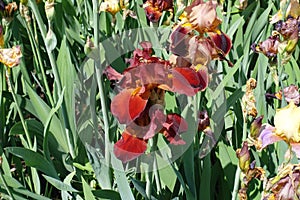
(285, 185)
(248, 100)
(11, 57)
(111, 6)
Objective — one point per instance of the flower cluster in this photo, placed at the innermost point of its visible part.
(140, 104)
(285, 37)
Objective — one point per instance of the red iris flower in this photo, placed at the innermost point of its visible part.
(140, 103)
(154, 8)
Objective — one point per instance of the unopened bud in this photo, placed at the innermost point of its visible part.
(244, 157)
(255, 127)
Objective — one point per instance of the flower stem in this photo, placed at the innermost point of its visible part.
(42, 27)
(148, 184)
(155, 166)
(238, 170)
(12, 91)
(100, 84)
(37, 56)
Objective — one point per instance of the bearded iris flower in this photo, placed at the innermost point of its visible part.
(197, 49)
(140, 104)
(154, 8)
(287, 128)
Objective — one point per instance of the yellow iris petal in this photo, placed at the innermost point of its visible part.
(287, 122)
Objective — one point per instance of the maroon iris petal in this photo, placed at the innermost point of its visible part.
(112, 74)
(127, 107)
(129, 147)
(187, 81)
(222, 41)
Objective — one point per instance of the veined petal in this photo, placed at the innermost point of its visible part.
(203, 16)
(129, 147)
(287, 122)
(189, 81)
(148, 123)
(180, 40)
(127, 106)
(112, 74)
(268, 136)
(180, 84)
(296, 148)
(222, 42)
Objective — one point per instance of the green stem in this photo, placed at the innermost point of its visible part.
(148, 184)
(238, 170)
(12, 91)
(41, 25)
(280, 72)
(155, 166)
(100, 84)
(37, 56)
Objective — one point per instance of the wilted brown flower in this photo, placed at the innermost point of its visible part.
(248, 100)
(8, 12)
(285, 185)
(11, 57)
